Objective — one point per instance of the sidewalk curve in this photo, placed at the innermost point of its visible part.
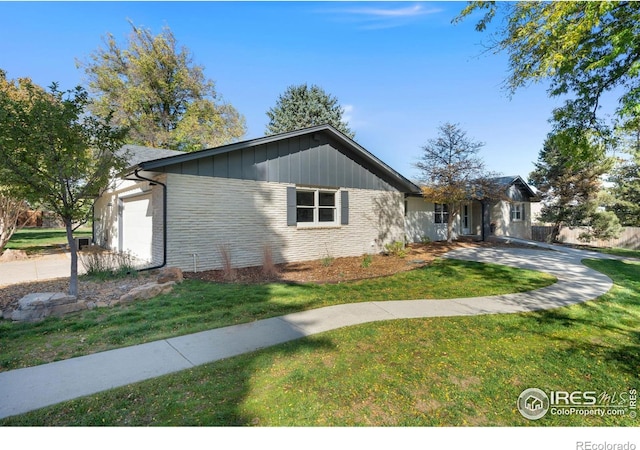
(23, 390)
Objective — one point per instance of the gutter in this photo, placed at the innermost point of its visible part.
(164, 218)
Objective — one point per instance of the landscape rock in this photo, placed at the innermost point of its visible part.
(147, 291)
(170, 274)
(38, 306)
(13, 255)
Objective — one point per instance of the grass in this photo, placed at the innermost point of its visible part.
(37, 240)
(461, 371)
(625, 252)
(196, 306)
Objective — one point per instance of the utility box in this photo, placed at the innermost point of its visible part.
(82, 242)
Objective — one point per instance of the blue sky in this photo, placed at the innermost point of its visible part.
(400, 69)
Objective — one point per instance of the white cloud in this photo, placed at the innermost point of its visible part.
(373, 18)
(410, 11)
(347, 113)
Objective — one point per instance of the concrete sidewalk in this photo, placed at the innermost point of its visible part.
(31, 388)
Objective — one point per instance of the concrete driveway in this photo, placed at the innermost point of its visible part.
(41, 268)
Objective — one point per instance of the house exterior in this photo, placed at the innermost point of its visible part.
(296, 196)
(511, 216)
(299, 196)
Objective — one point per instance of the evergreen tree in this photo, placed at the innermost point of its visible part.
(568, 176)
(302, 107)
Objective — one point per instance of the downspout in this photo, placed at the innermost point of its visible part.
(164, 220)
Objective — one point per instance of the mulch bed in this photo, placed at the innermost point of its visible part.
(337, 270)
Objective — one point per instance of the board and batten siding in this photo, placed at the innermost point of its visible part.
(206, 214)
(312, 160)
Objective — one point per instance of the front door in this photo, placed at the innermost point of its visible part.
(466, 219)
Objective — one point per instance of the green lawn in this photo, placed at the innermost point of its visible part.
(196, 306)
(37, 240)
(423, 372)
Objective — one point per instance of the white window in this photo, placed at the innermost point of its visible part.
(441, 213)
(517, 212)
(316, 207)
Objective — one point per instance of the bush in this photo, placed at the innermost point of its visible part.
(366, 261)
(229, 273)
(100, 263)
(269, 268)
(396, 248)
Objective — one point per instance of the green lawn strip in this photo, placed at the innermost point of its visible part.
(624, 252)
(424, 372)
(36, 240)
(196, 306)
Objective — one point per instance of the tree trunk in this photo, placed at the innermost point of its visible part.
(555, 232)
(73, 279)
(450, 223)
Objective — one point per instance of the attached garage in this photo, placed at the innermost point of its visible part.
(136, 226)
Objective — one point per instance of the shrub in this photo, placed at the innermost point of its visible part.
(395, 248)
(269, 268)
(229, 273)
(100, 263)
(366, 261)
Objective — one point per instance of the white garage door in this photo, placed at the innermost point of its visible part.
(137, 226)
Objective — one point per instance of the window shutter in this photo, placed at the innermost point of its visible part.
(291, 206)
(523, 209)
(344, 207)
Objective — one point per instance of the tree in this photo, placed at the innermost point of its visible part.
(568, 176)
(56, 154)
(585, 49)
(12, 203)
(626, 178)
(452, 173)
(11, 207)
(157, 92)
(302, 107)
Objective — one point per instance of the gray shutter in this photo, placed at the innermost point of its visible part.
(344, 207)
(524, 207)
(291, 206)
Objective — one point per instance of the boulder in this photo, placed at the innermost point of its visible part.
(35, 307)
(13, 255)
(170, 274)
(146, 291)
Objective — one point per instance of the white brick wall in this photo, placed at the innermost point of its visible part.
(206, 213)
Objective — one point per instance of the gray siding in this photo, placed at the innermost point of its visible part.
(307, 160)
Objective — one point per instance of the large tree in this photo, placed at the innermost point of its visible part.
(12, 203)
(56, 154)
(305, 106)
(568, 176)
(452, 172)
(584, 49)
(154, 89)
(626, 179)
